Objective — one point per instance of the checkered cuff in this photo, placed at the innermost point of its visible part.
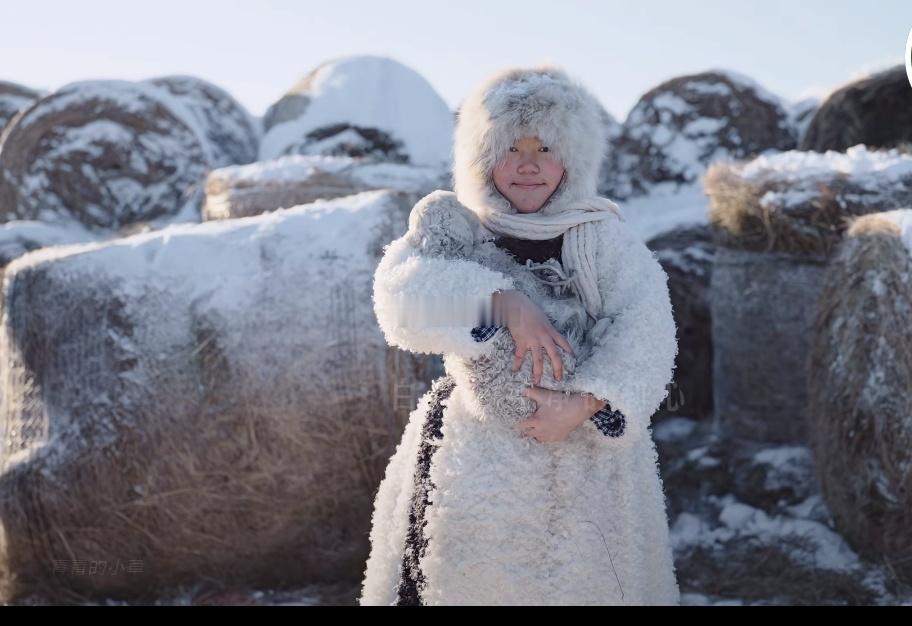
(483, 333)
(609, 422)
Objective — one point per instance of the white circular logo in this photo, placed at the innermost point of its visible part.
(909, 58)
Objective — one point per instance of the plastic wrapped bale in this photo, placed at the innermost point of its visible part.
(232, 133)
(686, 254)
(860, 377)
(14, 98)
(212, 401)
(361, 106)
(679, 127)
(104, 154)
(244, 190)
(875, 111)
(776, 222)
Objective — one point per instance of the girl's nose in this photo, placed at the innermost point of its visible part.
(528, 165)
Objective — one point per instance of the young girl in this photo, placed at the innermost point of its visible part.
(526, 481)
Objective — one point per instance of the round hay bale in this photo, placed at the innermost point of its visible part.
(686, 254)
(859, 382)
(875, 111)
(681, 126)
(14, 98)
(212, 401)
(761, 306)
(101, 153)
(361, 106)
(776, 221)
(233, 134)
(799, 202)
(19, 237)
(244, 190)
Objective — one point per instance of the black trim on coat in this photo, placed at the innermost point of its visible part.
(411, 579)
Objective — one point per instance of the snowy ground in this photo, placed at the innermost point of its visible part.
(781, 548)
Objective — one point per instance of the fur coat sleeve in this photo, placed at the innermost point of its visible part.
(634, 340)
(425, 275)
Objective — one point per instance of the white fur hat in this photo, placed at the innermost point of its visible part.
(540, 101)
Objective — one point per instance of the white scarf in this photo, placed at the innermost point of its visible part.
(578, 249)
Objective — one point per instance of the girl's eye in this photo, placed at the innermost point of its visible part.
(545, 148)
(512, 148)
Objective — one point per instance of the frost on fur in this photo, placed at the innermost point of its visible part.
(427, 295)
(434, 285)
(634, 342)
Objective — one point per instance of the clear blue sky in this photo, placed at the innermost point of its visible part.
(257, 49)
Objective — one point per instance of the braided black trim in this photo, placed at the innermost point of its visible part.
(411, 579)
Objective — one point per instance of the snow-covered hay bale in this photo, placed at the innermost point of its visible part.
(14, 98)
(798, 202)
(211, 400)
(22, 236)
(686, 254)
(681, 126)
(776, 223)
(860, 388)
(233, 134)
(875, 111)
(244, 190)
(102, 153)
(361, 106)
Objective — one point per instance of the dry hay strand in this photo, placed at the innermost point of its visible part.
(859, 377)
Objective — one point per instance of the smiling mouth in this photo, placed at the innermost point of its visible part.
(528, 186)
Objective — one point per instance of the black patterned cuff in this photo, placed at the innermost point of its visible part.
(609, 422)
(483, 333)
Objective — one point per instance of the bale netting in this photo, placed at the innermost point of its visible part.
(102, 153)
(686, 254)
(14, 98)
(859, 382)
(875, 111)
(214, 401)
(233, 134)
(245, 190)
(776, 222)
(679, 127)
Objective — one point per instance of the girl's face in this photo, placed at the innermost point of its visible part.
(528, 175)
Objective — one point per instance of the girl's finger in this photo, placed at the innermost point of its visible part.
(518, 358)
(557, 366)
(537, 365)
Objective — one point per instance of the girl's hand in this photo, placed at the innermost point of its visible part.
(531, 330)
(557, 414)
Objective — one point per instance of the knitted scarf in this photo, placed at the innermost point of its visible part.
(577, 224)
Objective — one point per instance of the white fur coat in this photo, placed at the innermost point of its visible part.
(510, 520)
